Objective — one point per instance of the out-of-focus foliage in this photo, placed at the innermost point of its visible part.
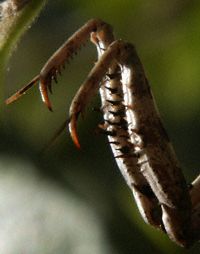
(15, 17)
(167, 37)
(37, 216)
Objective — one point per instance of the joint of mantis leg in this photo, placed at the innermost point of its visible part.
(138, 140)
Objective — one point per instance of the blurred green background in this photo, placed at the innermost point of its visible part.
(167, 37)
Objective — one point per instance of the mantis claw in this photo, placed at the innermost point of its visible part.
(73, 129)
(44, 94)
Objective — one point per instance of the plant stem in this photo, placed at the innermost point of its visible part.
(15, 17)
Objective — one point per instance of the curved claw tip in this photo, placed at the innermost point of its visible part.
(44, 95)
(73, 132)
(47, 102)
(49, 106)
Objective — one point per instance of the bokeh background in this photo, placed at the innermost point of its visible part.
(69, 201)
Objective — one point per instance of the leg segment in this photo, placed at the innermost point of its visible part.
(115, 122)
(57, 61)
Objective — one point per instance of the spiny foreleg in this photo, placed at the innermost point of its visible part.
(56, 63)
(116, 127)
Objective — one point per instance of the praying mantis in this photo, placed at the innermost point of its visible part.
(139, 142)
